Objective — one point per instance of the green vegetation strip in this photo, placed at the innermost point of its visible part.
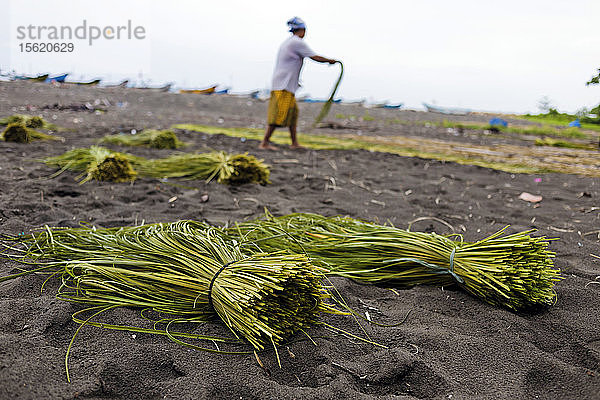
(543, 130)
(509, 158)
(564, 143)
(553, 117)
(515, 271)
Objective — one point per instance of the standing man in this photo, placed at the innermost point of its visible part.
(283, 110)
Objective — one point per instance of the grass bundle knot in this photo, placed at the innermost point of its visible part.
(164, 140)
(247, 169)
(35, 122)
(16, 132)
(113, 168)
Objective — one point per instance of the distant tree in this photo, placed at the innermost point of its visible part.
(582, 112)
(545, 104)
(595, 80)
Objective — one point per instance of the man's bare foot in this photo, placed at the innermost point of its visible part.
(297, 147)
(267, 146)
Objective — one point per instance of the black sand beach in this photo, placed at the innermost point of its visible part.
(451, 345)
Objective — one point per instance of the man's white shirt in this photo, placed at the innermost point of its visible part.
(289, 64)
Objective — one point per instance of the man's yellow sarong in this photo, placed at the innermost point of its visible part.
(283, 110)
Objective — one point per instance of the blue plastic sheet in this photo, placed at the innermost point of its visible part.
(498, 122)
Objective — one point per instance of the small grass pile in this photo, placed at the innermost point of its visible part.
(515, 271)
(231, 169)
(156, 139)
(17, 132)
(98, 163)
(185, 271)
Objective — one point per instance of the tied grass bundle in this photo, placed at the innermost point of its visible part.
(187, 272)
(97, 163)
(232, 169)
(515, 271)
(30, 121)
(17, 132)
(156, 139)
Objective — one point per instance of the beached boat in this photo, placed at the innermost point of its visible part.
(39, 78)
(209, 90)
(359, 102)
(446, 110)
(90, 83)
(164, 88)
(222, 91)
(121, 85)
(393, 106)
(310, 100)
(374, 105)
(58, 78)
(263, 95)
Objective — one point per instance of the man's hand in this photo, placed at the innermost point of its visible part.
(322, 59)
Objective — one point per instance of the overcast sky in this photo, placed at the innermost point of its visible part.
(483, 55)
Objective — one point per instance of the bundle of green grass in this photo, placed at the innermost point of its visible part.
(156, 139)
(187, 272)
(230, 169)
(17, 132)
(97, 163)
(30, 121)
(515, 271)
(226, 168)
